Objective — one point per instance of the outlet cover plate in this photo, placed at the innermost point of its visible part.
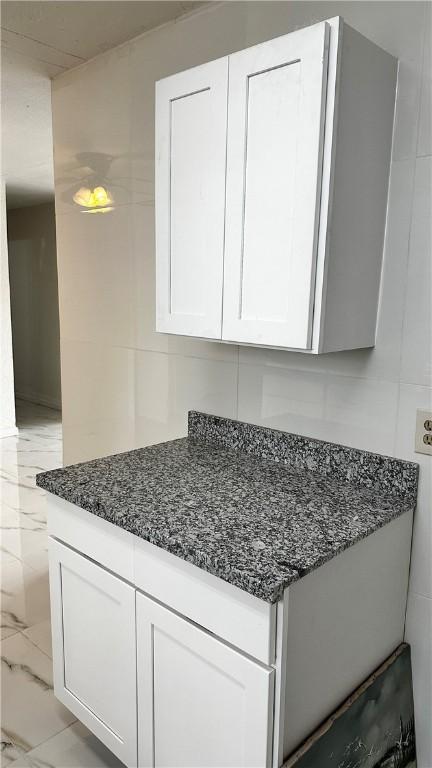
(423, 433)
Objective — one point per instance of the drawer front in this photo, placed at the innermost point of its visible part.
(227, 611)
(92, 536)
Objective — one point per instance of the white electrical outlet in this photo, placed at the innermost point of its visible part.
(423, 434)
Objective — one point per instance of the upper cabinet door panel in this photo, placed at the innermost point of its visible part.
(191, 116)
(276, 110)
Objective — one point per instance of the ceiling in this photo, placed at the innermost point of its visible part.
(40, 40)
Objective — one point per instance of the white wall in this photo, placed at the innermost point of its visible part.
(126, 386)
(7, 397)
(34, 304)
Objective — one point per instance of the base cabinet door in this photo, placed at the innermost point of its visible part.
(94, 648)
(200, 702)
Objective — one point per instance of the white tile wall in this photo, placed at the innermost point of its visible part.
(342, 409)
(125, 386)
(424, 146)
(411, 398)
(99, 275)
(169, 385)
(92, 125)
(98, 399)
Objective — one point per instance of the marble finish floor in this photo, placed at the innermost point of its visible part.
(37, 731)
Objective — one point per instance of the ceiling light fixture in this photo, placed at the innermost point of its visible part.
(97, 200)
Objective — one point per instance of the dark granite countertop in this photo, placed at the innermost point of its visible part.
(257, 507)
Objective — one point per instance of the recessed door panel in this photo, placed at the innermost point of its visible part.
(191, 160)
(275, 129)
(273, 105)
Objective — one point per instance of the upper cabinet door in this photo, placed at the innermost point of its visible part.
(276, 110)
(191, 117)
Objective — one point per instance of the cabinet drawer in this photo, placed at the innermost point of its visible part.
(94, 537)
(223, 609)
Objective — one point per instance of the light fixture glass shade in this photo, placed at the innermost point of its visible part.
(83, 197)
(95, 199)
(101, 196)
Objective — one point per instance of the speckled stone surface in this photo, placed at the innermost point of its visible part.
(256, 507)
(385, 474)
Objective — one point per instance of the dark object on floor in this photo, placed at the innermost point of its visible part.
(374, 728)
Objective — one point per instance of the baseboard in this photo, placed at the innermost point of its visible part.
(37, 399)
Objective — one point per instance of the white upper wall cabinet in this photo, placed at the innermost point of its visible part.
(272, 175)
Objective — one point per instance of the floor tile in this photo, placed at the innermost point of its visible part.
(29, 711)
(23, 543)
(37, 560)
(12, 518)
(75, 747)
(40, 635)
(18, 494)
(10, 751)
(24, 598)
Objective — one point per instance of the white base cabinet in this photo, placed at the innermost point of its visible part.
(272, 169)
(170, 667)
